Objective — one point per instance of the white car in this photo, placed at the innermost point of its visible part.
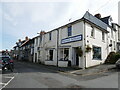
(118, 64)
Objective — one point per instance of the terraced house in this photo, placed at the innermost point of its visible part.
(24, 50)
(82, 43)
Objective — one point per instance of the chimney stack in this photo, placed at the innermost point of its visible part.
(26, 38)
(98, 15)
(42, 32)
(19, 40)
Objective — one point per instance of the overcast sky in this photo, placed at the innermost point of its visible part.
(20, 18)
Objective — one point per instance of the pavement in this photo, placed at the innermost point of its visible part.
(94, 70)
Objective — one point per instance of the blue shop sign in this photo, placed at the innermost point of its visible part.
(71, 39)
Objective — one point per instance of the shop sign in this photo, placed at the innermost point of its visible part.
(72, 39)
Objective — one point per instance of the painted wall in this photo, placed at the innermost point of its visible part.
(77, 29)
(48, 45)
(96, 41)
(35, 49)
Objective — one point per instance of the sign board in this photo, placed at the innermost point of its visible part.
(71, 39)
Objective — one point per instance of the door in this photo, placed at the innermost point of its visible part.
(77, 57)
(35, 57)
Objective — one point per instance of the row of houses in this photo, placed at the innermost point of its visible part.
(82, 43)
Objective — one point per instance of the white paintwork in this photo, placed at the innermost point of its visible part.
(45, 45)
(78, 28)
(63, 63)
(50, 63)
(96, 41)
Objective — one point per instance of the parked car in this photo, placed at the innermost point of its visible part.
(118, 64)
(6, 63)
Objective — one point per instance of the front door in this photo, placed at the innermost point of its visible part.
(76, 57)
(35, 57)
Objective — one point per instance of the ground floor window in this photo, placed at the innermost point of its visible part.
(66, 54)
(51, 54)
(96, 52)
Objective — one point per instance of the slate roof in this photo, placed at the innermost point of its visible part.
(95, 21)
(28, 42)
(105, 20)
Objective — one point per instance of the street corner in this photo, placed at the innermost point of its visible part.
(94, 70)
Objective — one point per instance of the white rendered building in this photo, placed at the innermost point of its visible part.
(92, 35)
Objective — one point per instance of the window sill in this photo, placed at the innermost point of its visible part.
(69, 36)
(103, 41)
(92, 37)
(48, 60)
(97, 59)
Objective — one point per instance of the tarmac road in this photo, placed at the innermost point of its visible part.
(36, 76)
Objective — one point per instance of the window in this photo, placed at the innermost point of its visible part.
(66, 54)
(51, 54)
(96, 52)
(114, 45)
(50, 36)
(36, 41)
(103, 36)
(111, 33)
(70, 31)
(39, 54)
(40, 39)
(92, 32)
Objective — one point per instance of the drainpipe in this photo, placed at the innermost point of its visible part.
(57, 44)
(84, 56)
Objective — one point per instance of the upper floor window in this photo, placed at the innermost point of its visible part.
(70, 31)
(50, 36)
(36, 41)
(40, 39)
(92, 32)
(103, 36)
(111, 33)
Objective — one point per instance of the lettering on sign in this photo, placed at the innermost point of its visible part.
(71, 39)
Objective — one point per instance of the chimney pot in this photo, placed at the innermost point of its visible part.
(42, 32)
(19, 40)
(98, 15)
(26, 38)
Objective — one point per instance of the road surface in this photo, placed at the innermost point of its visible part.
(36, 76)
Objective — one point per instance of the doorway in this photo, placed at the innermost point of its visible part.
(35, 57)
(76, 56)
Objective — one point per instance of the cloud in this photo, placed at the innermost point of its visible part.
(14, 9)
(26, 18)
(7, 17)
